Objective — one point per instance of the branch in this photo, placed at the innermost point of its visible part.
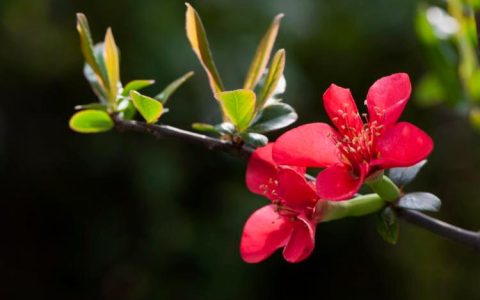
(454, 233)
(457, 234)
(165, 131)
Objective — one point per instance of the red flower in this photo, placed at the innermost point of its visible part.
(288, 221)
(356, 149)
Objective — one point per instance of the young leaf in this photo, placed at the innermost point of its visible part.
(91, 121)
(275, 72)
(404, 175)
(225, 128)
(95, 80)
(238, 106)
(149, 108)
(387, 225)
(94, 106)
(136, 85)
(420, 201)
(198, 39)
(273, 117)
(262, 55)
(129, 112)
(86, 42)
(172, 87)
(112, 64)
(204, 127)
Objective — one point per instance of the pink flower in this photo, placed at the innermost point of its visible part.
(286, 222)
(356, 149)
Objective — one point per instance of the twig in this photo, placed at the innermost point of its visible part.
(454, 233)
(165, 131)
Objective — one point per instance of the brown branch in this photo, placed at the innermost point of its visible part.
(446, 230)
(165, 131)
(454, 233)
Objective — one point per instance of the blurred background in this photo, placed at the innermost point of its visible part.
(124, 216)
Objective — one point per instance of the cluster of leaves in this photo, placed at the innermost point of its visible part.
(102, 70)
(388, 226)
(256, 108)
(449, 36)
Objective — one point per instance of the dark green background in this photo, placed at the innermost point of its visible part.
(124, 216)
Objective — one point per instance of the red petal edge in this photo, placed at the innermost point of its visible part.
(261, 171)
(402, 146)
(341, 108)
(302, 241)
(295, 189)
(338, 183)
(309, 145)
(387, 98)
(264, 232)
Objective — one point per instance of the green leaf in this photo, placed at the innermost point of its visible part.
(274, 74)
(172, 87)
(136, 85)
(91, 121)
(86, 42)
(95, 84)
(112, 64)
(225, 128)
(94, 106)
(420, 201)
(238, 106)
(387, 225)
(198, 39)
(404, 175)
(204, 127)
(273, 117)
(129, 112)
(94, 79)
(262, 55)
(255, 139)
(149, 108)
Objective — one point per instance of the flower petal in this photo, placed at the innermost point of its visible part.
(262, 172)
(402, 146)
(301, 242)
(341, 109)
(309, 145)
(338, 182)
(295, 189)
(264, 232)
(387, 98)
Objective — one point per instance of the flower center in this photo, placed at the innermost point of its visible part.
(269, 190)
(356, 145)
